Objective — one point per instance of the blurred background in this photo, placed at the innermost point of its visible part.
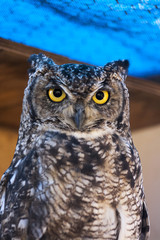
(93, 32)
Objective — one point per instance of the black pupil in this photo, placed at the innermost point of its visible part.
(57, 93)
(100, 95)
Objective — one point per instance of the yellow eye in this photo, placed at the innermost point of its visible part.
(56, 94)
(101, 97)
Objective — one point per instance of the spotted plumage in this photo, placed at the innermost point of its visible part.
(75, 173)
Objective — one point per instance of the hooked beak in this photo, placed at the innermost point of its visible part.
(79, 116)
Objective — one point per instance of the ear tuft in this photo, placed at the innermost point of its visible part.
(123, 63)
(39, 61)
(120, 67)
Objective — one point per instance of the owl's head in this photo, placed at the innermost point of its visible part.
(77, 97)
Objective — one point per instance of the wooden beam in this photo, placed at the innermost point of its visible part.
(25, 51)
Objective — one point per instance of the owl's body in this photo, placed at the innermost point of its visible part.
(76, 173)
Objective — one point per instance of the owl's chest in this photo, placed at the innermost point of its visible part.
(81, 183)
(81, 205)
(83, 167)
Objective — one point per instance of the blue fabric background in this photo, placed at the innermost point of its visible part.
(91, 31)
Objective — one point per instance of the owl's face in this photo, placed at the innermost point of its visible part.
(76, 97)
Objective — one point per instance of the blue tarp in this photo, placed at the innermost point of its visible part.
(91, 31)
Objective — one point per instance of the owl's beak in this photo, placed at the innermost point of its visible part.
(79, 116)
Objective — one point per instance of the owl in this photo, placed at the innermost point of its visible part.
(76, 173)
